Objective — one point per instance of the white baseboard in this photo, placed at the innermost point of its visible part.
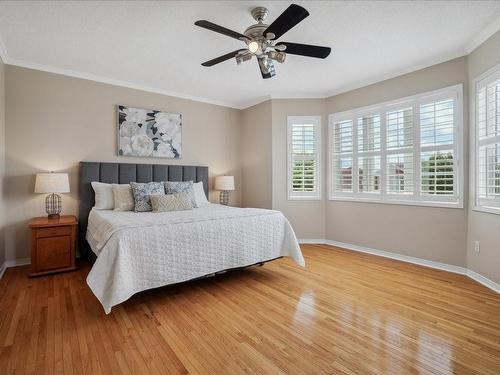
(2, 270)
(13, 263)
(311, 241)
(484, 280)
(386, 254)
(405, 258)
(17, 262)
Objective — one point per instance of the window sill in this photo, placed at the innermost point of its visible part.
(401, 202)
(487, 210)
(304, 198)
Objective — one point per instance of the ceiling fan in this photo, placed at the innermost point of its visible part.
(261, 40)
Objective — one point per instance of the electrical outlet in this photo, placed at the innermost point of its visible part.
(476, 247)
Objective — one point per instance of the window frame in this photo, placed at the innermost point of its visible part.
(304, 196)
(416, 198)
(491, 206)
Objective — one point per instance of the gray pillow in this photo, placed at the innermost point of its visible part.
(173, 187)
(142, 191)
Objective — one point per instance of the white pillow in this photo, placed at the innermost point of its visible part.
(103, 196)
(123, 197)
(199, 194)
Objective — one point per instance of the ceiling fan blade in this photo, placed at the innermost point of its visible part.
(219, 29)
(306, 50)
(288, 19)
(266, 68)
(222, 58)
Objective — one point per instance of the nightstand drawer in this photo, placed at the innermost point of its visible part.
(55, 231)
(53, 252)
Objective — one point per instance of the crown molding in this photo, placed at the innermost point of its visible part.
(3, 52)
(116, 82)
(251, 103)
(483, 36)
(398, 73)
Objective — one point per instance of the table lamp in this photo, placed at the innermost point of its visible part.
(225, 184)
(52, 183)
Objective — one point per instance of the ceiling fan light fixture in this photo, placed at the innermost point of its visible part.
(243, 57)
(253, 46)
(277, 56)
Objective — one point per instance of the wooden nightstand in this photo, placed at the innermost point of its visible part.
(52, 244)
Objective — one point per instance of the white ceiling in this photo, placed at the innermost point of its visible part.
(155, 46)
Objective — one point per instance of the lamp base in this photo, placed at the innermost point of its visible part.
(53, 206)
(224, 197)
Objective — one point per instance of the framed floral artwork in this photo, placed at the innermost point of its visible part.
(149, 133)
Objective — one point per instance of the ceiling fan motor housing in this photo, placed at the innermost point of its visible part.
(256, 31)
(259, 14)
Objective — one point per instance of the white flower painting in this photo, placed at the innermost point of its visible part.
(149, 133)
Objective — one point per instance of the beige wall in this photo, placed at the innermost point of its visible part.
(256, 155)
(2, 161)
(483, 227)
(307, 217)
(54, 121)
(437, 234)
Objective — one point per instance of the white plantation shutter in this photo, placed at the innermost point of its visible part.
(399, 133)
(342, 148)
(437, 166)
(406, 151)
(369, 174)
(400, 174)
(437, 174)
(369, 151)
(488, 142)
(304, 143)
(369, 133)
(342, 167)
(399, 124)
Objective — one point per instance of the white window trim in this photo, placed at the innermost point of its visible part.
(291, 195)
(456, 201)
(485, 78)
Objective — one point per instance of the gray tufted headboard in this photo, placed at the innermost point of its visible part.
(123, 173)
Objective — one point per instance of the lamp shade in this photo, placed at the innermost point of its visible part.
(52, 183)
(224, 183)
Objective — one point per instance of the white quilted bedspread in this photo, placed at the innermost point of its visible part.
(139, 251)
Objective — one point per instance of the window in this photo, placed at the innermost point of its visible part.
(304, 150)
(406, 151)
(487, 144)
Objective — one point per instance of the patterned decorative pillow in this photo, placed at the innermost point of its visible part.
(171, 202)
(142, 191)
(123, 197)
(173, 187)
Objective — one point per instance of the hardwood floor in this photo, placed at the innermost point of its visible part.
(345, 312)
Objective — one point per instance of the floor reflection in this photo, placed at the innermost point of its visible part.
(305, 310)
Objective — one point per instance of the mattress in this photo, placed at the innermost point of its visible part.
(140, 251)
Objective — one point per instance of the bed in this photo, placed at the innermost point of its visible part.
(133, 252)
